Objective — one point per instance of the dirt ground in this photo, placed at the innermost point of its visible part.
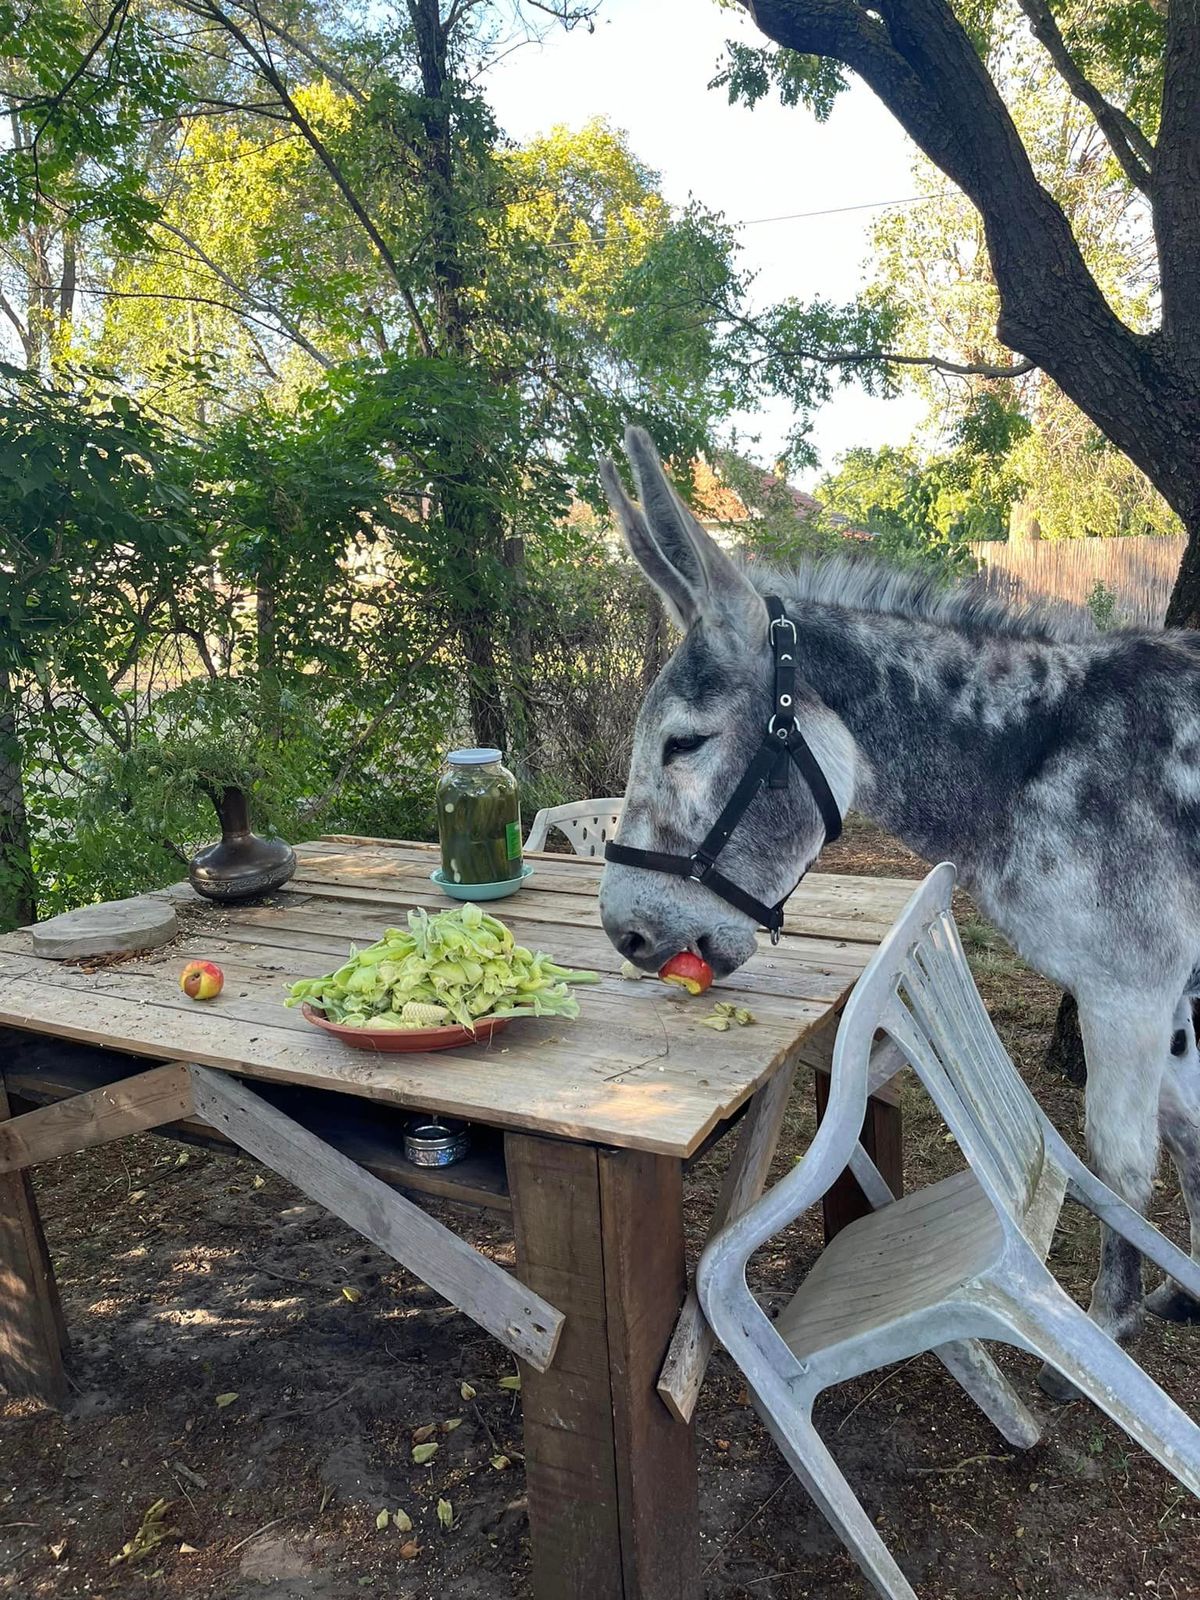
(242, 1357)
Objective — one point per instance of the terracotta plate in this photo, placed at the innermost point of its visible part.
(398, 1041)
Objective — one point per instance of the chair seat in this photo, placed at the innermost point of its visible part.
(907, 1257)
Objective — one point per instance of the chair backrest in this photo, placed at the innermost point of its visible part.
(588, 824)
(918, 990)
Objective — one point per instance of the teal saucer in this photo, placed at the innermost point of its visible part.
(480, 891)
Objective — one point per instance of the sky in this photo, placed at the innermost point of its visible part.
(646, 69)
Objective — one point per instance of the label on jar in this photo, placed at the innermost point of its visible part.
(512, 840)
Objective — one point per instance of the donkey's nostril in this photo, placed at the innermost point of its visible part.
(633, 944)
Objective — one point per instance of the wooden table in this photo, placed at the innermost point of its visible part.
(583, 1129)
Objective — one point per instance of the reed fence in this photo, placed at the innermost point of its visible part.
(1139, 572)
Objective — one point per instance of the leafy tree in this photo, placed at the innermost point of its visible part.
(1133, 69)
(102, 543)
(331, 193)
(931, 261)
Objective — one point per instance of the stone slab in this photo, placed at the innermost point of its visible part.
(115, 928)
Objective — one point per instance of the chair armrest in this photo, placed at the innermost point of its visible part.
(1117, 1214)
(723, 1262)
(538, 831)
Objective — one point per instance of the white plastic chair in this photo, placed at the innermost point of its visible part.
(960, 1260)
(588, 824)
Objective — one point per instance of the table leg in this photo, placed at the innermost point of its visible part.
(611, 1474)
(882, 1138)
(32, 1331)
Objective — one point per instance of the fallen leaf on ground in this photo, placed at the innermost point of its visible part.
(224, 1400)
(402, 1521)
(423, 1435)
(451, 1423)
(423, 1453)
(501, 1463)
(59, 1550)
(381, 1521)
(410, 1551)
(511, 1383)
(466, 1391)
(445, 1513)
(353, 1295)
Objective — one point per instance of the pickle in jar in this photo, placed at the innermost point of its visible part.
(479, 818)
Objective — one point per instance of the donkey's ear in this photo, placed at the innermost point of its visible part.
(677, 591)
(692, 573)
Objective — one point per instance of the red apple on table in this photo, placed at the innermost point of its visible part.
(202, 980)
(689, 971)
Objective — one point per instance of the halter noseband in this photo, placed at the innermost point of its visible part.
(782, 746)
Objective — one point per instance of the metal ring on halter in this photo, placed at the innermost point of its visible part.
(779, 733)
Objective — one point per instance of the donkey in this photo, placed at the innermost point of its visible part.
(1057, 766)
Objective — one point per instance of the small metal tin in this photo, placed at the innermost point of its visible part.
(430, 1143)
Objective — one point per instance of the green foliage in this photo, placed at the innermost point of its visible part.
(922, 512)
(748, 74)
(1102, 603)
(85, 95)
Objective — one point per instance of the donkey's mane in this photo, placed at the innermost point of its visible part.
(863, 583)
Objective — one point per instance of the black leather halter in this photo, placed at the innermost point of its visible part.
(783, 746)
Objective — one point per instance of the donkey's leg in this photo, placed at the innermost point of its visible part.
(1179, 1123)
(1125, 1045)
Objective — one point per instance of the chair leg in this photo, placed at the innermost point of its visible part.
(969, 1364)
(1070, 1342)
(810, 1460)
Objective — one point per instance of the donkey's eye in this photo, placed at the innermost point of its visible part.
(683, 745)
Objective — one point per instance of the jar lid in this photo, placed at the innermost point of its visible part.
(472, 758)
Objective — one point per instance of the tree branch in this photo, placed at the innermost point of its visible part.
(862, 358)
(1176, 168)
(923, 65)
(22, 332)
(269, 73)
(892, 358)
(288, 327)
(1128, 143)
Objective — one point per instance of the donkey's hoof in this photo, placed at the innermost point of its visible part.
(1051, 1382)
(1172, 1303)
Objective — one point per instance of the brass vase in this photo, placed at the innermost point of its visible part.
(242, 865)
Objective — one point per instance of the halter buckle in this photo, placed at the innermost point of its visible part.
(701, 867)
(784, 622)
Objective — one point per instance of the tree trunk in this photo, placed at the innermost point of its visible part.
(520, 653)
(267, 652)
(474, 541)
(18, 896)
(1183, 609)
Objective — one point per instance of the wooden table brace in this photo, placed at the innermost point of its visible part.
(525, 1323)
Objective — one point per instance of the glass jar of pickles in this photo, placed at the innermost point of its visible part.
(479, 818)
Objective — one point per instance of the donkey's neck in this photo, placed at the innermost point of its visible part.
(950, 725)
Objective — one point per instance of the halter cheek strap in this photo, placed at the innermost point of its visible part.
(783, 746)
